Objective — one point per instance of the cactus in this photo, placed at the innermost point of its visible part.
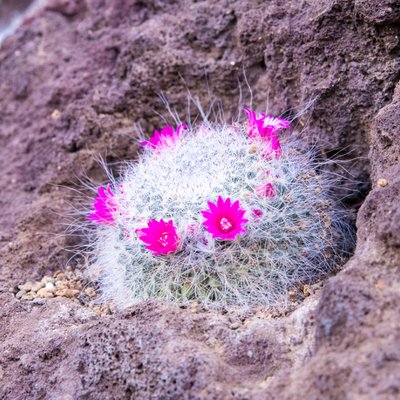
(227, 216)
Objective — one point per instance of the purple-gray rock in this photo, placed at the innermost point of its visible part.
(74, 81)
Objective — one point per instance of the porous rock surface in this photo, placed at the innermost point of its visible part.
(75, 79)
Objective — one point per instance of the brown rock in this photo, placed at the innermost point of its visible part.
(48, 279)
(29, 296)
(235, 325)
(44, 293)
(343, 341)
(26, 287)
(60, 277)
(90, 292)
(69, 293)
(61, 285)
(37, 286)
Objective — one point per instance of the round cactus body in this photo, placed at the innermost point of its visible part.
(227, 216)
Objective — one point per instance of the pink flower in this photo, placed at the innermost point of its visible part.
(166, 138)
(272, 125)
(193, 230)
(265, 126)
(160, 236)
(266, 190)
(271, 148)
(257, 214)
(224, 220)
(104, 207)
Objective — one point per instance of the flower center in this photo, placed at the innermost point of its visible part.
(225, 225)
(163, 239)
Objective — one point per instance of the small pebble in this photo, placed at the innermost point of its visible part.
(69, 284)
(382, 182)
(61, 285)
(60, 276)
(253, 149)
(90, 292)
(194, 307)
(29, 296)
(55, 115)
(70, 293)
(37, 286)
(26, 287)
(380, 285)
(235, 325)
(78, 274)
(43, 293)
(306, 290)
(50, 287)
(47, 279)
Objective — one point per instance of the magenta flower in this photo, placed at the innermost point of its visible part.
(257, 214)
(104, 207)
(264, 126)
(271, 148)
(224, 220)
(166, 138)
(160, 236)
(193, 230)
(272, 125)
(266, 190)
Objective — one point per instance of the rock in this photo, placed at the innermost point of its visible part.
(382, 182)
(77, 285)
(44, 293)
(235, 325)
(37, 286)
(56, 115)
(60, 276)
(29, 296)
(60, 285)
(341, 56)
(26, 287)
(379, 11)
(13, 290)
(69, 293)
(90, 292)
(48, 279)
(50, 287)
